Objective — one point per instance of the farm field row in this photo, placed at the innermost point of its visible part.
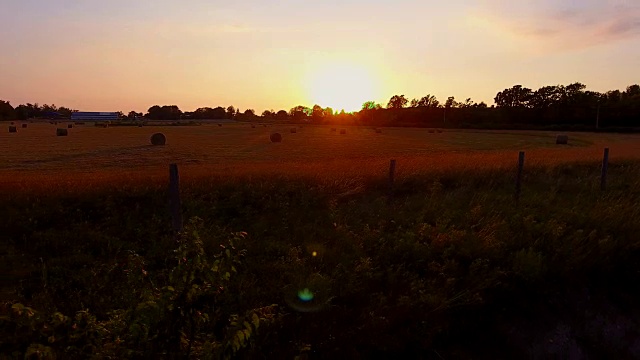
(93, 155)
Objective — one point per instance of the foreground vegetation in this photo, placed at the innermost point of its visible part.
(449, 267)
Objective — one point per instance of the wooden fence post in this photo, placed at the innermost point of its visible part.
(174, 198)
(519, 176)
(605, 167)
(392, 171)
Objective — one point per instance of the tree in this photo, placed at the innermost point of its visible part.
(466, 104)
(65, 111)
(451, 102)
(328, 112)
(218, 113)
(166, 112)
(299, 113)
(371, 105)
(397, 102)
(133, 115)
(546, 96)
(249, 113)
(317, 113)
(633, 90)
(6, 110)
(429, 101)
(282, 115)
(517, 96)
(231, 112)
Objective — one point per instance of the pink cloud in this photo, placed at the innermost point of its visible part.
(548, 25)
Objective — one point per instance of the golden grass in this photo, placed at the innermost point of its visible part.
(119, 156)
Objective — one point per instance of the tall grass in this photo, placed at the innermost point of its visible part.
(449, 267)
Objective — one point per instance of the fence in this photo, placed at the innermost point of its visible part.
(175, 204)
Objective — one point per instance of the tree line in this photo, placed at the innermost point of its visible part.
(556, 106)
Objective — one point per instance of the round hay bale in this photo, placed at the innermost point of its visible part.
(62, 132)
(293, 130)
(562, 140)
(343, 131)
(13, 129)
(158, 139)
(276, 138)
(431, 131)
(70, 126)
(24, 126)
(220, 125)
(439, 131)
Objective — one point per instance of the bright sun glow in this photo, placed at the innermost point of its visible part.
(341, 86)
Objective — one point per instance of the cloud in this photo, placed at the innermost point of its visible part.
(557, 25)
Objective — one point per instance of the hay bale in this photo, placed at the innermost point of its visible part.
(62, 132)
(562, 140)
(24, 126)
(70, 126)
(158, 139)
(439, 131)
(431, 131)
(343, 131)
(13, 129)
(253, 126)
(276, 138)
(293, 130)
(220, 125)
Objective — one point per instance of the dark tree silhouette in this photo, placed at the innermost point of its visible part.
(397, 102)
(166, 112)
(7, 112)
(426, 101)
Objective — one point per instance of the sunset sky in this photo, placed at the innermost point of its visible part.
(98, 55)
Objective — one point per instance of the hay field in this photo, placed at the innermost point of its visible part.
(35, 155)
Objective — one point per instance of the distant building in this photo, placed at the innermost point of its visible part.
(94, 116)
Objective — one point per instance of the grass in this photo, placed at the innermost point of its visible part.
(448, 268)
(89, 148)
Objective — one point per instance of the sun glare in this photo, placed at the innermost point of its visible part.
(341, 86)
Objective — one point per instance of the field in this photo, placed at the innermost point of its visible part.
(91, 154)
(296, 250)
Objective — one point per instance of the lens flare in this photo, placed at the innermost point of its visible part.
(305, 295)
(310, 294)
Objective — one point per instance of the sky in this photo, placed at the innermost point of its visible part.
(117, 55)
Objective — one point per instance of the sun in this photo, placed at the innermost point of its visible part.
(341, 85)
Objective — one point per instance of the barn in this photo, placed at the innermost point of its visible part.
(94, 116)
